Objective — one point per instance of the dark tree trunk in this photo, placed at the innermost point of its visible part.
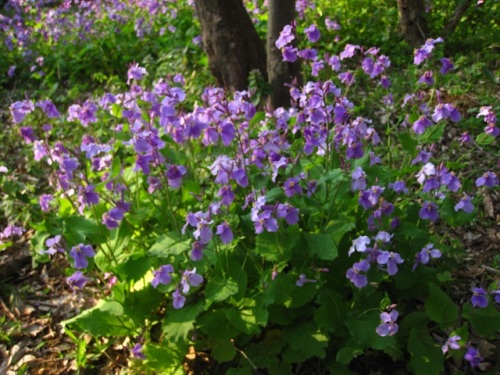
(231, 42)
(281, 13)
(412, 23)
(453, 22)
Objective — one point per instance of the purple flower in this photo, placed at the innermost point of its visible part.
(49, 108)
(137, 351)
(488, 114)
(197, 250)
(349, 51)
(452, 342)
(391, 259)
(421, 124)
(178, 299)
(27, 134)
(44, 202)
(465, 204)
(427, 78)
(225, 233)
(424, 52)
(399, 187)
(292, 187)
(358, 179)
(447, 65)
(286, 37)
(388, 327)
(472, 356)
(424, 256)
(175, 174)
(54, 246)
(289, 54)
(19, 110)
(162, 275)
(355, 276)
(77, 280)
(11, 70)
(288, 212)
(135, 72)
(465, 137)
(331, 25)
(479, 297)
(429, 211)
(347, 78)
(303, 279)
(80, 253)
(240, 176)
(496, 293)
(87, 196)
(265, 221)
(488, 179)
(227, 195)
(312, 33)
(359, 244)
(189, 279)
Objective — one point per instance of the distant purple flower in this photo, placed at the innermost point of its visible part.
(496, 293)
(27, 134)
(349, 51)
(465, 204)
(162, 275)
(225, 233)
(11, 70)
(77, 280)
(135, 72)
(178, 299)
(441, 112)
(488, 179)
(472, 356)
(385, 82)
(312, 33)
(424, 256)
(87, 196)
(479, 297)
(391, 259)
(465, 137)
(427, 78)
(19, 110)
(388, 326)
(447, 65)
(53, 245)
(399, 187)
(80, 253)
(286, 37)
(347, 78)
(44, 202)
(3, 169)
(265, 221)
(292, 187)
(331, 25)
(383, 237)
(358, 179)
(137, 351)
(355, 276)
(240, 176)
(227, 195)
(429, 211)
(451, 343)
(492, 130)
(189, 279)
(49, 108)
(488, 114)
(303, 279)
(424, 52)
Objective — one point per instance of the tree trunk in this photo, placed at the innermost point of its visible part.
(231, 42)
(412, 23)
(453, 22)
(281, 13)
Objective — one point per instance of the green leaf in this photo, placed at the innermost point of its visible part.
(426, 357)
(362, 329)
(245, 320)
(408, 143)
(101, 320)
(78, 229)
(269, 247)
(335, 175)
(116, 167)
(439, 307)
(332, 312)
(321, 245)
(433, 133)
(484, 321)
(179, 322)
(218, 289)
(168, 245)
(305, 341)
(223, 350)
(484, 139)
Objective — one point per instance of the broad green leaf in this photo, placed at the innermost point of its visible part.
(332, 312)
(223, 350)
(269, 247)
(433, 133)
(484, 321)
(321, 245)
(218, 289)
(245, 320)
(484, 139)
(362, 329)
(426, 356)
(305, 341)
(408, 143)
(439, 307)
(179, 322)
(78, 229)
(167, 245)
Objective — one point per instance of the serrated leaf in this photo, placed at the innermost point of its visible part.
(218, 289)
(426, 357)
(321, 245)
(439, 307)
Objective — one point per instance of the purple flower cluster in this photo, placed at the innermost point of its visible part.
(388, 325)
(189, 278)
